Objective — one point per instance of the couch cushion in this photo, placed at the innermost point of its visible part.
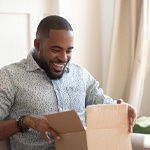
(5, 145)
(140, 141)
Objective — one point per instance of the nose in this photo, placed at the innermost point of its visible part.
(63, 56)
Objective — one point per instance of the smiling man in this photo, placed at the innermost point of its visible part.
(44, 83)
(53, 49)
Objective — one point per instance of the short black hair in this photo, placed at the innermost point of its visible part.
(53, 22)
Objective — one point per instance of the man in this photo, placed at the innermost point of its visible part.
(44, 83)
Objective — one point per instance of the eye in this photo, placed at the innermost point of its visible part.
(69, 51)
(55, 50)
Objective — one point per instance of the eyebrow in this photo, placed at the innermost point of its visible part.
(59, 47)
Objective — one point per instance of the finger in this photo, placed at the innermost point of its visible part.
(130, 121)
(130, 125)
(46, 137)
(133, 120)
(119, 101)
(133, 117)
(130, 129)
(54, 133)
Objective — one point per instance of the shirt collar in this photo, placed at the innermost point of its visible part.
(32, 65)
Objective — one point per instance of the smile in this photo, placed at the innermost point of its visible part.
(59, 65)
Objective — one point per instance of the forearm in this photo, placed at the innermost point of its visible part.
(8, 128)
(38, 123)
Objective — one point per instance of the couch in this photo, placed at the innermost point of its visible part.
(137, 140)
(140, 141)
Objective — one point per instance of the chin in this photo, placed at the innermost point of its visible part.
(54, 76)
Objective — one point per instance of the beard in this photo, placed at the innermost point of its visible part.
(44, 65)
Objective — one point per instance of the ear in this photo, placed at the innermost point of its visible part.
(37, 44)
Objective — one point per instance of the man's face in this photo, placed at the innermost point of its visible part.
(55, 52)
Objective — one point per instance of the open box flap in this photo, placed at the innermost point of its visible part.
(65, 122)
(107, 127)
(72, 141)
(107, 116)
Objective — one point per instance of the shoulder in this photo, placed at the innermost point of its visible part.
(78, 70)
(13, 68)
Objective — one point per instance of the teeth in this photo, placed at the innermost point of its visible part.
(58, 65)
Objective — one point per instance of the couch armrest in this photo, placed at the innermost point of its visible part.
(139, 141)
(5, 145)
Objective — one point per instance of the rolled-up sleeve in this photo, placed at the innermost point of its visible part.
(7, 95)
(95, 95)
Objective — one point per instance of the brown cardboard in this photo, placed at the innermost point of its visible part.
(69, 126)
(107, 128)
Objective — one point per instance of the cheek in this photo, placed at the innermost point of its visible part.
(49, 56)
(69, 56)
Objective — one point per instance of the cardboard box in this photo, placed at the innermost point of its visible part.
(107, 128)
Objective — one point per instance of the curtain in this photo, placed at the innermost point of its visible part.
(130, 51)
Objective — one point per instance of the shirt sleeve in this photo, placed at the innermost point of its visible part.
(95, 95)
(6, 94)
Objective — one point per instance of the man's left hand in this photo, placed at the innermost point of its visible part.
(131, 114)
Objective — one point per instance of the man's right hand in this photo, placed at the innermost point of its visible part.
(41, 125)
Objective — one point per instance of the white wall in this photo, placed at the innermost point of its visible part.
(12, 47)
(18, 23)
